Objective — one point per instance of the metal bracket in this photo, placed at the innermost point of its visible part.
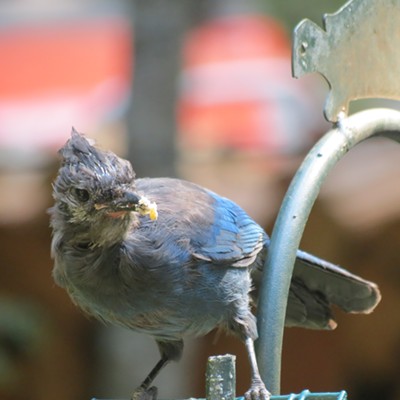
(357, 52)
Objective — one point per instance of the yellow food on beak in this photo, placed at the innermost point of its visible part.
(146, 207)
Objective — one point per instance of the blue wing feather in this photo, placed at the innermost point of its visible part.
(216, 229)
(235, 239)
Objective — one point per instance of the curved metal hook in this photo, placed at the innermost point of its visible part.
(290, 224)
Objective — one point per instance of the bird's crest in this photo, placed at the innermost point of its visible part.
(80, 155)
(79, 149)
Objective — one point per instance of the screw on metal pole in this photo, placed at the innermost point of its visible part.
(357, 52)
(290, 225)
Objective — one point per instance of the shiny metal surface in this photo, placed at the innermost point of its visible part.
(357, 52)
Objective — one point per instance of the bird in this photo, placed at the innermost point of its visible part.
(171, 259)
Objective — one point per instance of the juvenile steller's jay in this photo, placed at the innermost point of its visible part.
(193, 267)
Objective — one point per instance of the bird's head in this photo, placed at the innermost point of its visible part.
(93, 185)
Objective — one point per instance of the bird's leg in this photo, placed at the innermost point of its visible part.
(257, 390)
(153, 373)
(144, 391)
(170, 350)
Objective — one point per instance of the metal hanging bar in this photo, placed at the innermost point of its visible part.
(290, 225)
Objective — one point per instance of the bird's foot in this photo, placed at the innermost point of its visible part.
(257, 391)
(145, 394)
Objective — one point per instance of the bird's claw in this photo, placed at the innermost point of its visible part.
(257, 391)
(145, 394)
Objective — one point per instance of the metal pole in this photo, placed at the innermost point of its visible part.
(290, 225)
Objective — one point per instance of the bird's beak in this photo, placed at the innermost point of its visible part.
(129, 201)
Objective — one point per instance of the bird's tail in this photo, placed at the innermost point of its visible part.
(317, 285)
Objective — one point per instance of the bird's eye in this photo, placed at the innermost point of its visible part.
(82, 195)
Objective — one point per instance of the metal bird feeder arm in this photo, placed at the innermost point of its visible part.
(291, 221)
(339, 53)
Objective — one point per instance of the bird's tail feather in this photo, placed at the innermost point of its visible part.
(317, 285)
(349, 292)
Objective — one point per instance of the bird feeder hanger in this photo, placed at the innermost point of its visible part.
(357, 53)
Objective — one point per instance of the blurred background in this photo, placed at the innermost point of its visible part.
(202, 90)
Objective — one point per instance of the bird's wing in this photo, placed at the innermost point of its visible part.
(215, 229)
(233, 239)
